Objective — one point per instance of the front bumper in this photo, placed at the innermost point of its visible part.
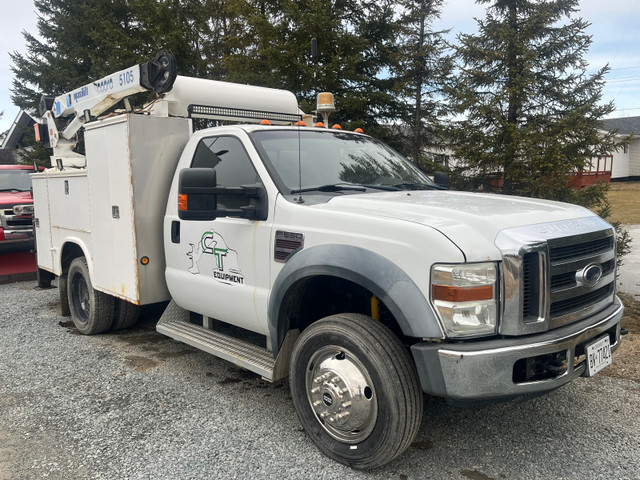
(16, 239)
(478, 372)
(15, 228)
(24, 235)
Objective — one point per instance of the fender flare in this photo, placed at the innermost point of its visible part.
(372, 271)
(77, 242)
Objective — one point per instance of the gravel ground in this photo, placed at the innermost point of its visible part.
(137, 405)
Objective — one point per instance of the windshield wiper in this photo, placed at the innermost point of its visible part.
(332, 187)
(417, 186)
(12, 190)
(389, 188)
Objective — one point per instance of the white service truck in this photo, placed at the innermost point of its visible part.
(365, 282)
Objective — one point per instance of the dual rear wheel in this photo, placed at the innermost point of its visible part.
(93, 311)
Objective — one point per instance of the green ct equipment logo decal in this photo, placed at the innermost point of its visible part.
(218, 258)
(206, 243)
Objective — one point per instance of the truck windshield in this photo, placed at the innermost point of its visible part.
(332, 161)
(15, 180)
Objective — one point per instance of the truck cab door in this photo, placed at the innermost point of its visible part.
(219, 268)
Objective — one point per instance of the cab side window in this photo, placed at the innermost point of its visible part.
(232, 165)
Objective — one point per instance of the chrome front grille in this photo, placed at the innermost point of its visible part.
(572, 304)
(531, 285)
(555, 274)
(580, 249)
(573, 299)
(12, 221)
(568, 279)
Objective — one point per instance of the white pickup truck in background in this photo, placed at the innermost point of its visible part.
(16, 208)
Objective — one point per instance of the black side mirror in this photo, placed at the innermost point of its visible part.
(198, 197)
(442, 180)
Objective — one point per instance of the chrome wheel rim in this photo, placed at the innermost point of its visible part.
(81, 300)
(341, 394)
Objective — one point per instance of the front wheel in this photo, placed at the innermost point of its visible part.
(91, 310)
(356, 390)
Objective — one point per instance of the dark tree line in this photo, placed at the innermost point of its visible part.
(513, 101)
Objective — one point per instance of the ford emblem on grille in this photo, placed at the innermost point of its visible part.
(589, 275)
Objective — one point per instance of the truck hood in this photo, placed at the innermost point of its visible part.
(470, 220)
(15, 198)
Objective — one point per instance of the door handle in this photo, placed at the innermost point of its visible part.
(175, 231)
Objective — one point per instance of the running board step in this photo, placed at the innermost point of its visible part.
(175, 323)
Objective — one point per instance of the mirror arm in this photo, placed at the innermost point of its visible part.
(242, 212)
(246, 190)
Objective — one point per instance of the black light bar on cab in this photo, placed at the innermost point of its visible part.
(241, 114)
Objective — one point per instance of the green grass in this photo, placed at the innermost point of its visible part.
(624, 198)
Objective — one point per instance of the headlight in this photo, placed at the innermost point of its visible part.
(23, 209)
(465, 297)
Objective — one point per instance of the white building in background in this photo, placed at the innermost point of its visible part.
(626, 160)
(13, 138)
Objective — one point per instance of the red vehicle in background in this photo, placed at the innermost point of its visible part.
(16, 208)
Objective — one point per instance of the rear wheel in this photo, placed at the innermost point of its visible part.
(63, 284)
(126, 315)
(356, 390)
(91, 311)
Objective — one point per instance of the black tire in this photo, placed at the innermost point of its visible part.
(64, 295)
(126, 315)
(44, 278)
(352, 363)
(91, 310)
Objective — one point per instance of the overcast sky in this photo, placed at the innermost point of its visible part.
(615, 27)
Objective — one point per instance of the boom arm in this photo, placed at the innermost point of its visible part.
(182, 97)
(97, 97)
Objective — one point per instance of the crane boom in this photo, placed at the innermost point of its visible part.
(97, 97)
(157, 75)
(180, 97)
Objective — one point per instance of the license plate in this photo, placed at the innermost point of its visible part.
(598, 355)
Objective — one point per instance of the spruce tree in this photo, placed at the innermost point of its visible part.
(355, 41)
(422, 69)
(260, 42)
(77, 41)
(83, 40)
(531, 111)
